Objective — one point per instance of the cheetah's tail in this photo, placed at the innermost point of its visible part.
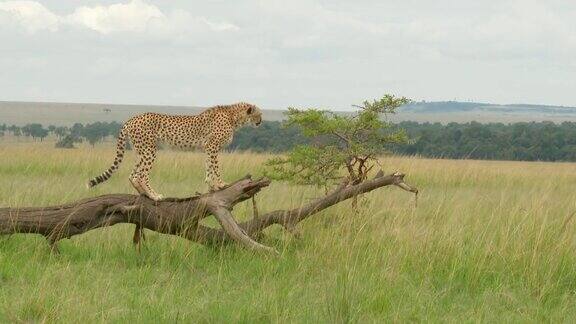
(120, 148)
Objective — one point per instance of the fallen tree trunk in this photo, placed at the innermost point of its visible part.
(177, 216)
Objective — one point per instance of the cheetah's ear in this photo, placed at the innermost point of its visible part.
(250, 110)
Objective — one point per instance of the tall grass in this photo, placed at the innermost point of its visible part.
(488, 241)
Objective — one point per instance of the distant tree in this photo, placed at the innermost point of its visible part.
(113, 128)
(77, 130)
(35, 131)
(27, 129)
(95, 132)
(67, 141)
(15, 130)
(269, 137)
(42, 133)
(544, 141)
(61, 131)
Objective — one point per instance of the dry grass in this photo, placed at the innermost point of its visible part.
(488, 241)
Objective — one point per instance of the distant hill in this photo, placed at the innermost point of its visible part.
(455, 111)
(20, 113)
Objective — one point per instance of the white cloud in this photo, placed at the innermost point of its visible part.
(218, 26)
(30, 15)
(135, 16)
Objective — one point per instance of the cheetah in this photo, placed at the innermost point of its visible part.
(210, 130)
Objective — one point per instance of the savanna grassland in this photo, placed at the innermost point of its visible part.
(487, 241)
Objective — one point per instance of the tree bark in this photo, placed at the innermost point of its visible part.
(179, 216)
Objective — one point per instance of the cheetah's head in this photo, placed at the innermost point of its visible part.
(253, 114)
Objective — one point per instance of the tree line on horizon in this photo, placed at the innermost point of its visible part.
(66, 136)
(521, 141)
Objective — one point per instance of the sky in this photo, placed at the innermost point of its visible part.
(278, 54)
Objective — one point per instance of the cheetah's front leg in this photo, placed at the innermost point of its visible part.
(213, 178)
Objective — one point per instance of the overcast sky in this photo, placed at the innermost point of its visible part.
(328, 54)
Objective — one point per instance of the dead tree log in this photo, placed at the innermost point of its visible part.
(179, 216)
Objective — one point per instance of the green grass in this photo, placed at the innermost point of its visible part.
(488, 241)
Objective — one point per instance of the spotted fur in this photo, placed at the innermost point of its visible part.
(210, 130)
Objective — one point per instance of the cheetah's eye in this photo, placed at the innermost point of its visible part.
(250, 110)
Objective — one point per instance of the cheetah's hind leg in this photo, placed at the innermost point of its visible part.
(136, 184)
(134, 178)
(144, 182)
(140, 181)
